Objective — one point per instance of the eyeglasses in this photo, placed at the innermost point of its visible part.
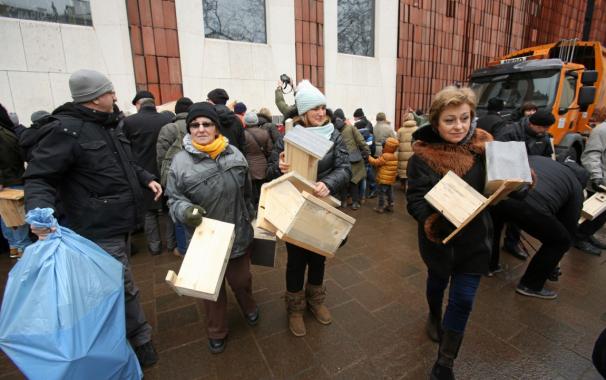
(203, 125)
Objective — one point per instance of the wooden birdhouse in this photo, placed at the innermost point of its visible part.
(288, 209)
(203, 268)
(460, 203)
(12, 208)
(303, 149)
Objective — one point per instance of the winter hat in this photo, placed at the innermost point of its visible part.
(183, 105)
(218, 96)
(38, 115)
(265, 112)
(391, 144)
(495, 104)
(14, 118)
(143, 94)
(358, 113)
(542, 117)
(205, 109)
(308, 97)
(240, 108)
(381, 116)
(251, 119)
(339, 114)
(86, 85)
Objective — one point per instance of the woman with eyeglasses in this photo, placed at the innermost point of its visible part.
(449, 142)
(210, 178)
(334, 172)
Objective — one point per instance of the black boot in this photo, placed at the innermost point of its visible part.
(434, 327)
(449, 349)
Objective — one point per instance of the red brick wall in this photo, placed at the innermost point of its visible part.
(155, 48)
(309, 40)
(435, 50)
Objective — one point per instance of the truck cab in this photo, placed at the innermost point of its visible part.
(564, 78)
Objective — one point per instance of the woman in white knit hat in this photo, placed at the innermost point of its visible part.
(334, 172)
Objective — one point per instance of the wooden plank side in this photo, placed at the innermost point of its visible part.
(302, 184)
(282, 205)
(261, 221)
(454, 198)
(308, 141)
(203, 267)
(12, 194)
(301, 162)
(594, 206)
(499, 194)
(12, 212)
(319, 226)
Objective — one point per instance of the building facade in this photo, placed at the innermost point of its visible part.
(381, 55)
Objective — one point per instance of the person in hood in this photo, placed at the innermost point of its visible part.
(450, 142)
(230, 125)
(85, 160)
(387, 171)
(334, 173)
(209, 178)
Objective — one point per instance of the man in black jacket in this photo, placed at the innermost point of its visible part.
(532, 131)
(85, 160)
(142, 130)
(230, 126)
(549, 212)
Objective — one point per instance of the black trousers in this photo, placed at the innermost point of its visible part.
(298, 260)
(555, 233)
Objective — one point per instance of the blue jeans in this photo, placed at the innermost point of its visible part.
(181, 237)
(17, 237)
(462, 293)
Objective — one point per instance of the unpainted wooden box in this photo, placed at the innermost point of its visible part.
(12, 207)
(594, 206)
(203, 268)
(304, 220)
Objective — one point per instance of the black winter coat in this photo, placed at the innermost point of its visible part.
(86, 161)
(142, 130)
(334, 169)
(231, 127)
(11, 159)
(469, 251)
(535, 145)
(492, 122)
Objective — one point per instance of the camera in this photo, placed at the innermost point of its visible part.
(285, 80)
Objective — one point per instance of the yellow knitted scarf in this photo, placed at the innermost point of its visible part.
(214, 148)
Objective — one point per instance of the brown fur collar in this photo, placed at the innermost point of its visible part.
(443, 157)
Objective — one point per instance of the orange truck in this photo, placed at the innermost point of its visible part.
(566, 77)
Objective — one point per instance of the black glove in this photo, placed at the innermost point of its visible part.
(193, 215)
(594, 185)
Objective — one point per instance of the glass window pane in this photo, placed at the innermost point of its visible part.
(356, 27)
(62, 11)
(235, 20)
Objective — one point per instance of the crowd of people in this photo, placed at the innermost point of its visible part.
(106, 174)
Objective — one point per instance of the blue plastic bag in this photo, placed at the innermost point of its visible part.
(62, 315)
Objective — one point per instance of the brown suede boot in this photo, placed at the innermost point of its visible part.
(295, 306)
(316, 294)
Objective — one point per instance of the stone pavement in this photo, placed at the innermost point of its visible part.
(376, 295)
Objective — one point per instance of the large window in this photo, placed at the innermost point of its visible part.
(63, 11)
(356, 27)
(235, 20)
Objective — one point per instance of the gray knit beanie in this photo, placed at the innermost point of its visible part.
(86, 85)
(251, 118)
